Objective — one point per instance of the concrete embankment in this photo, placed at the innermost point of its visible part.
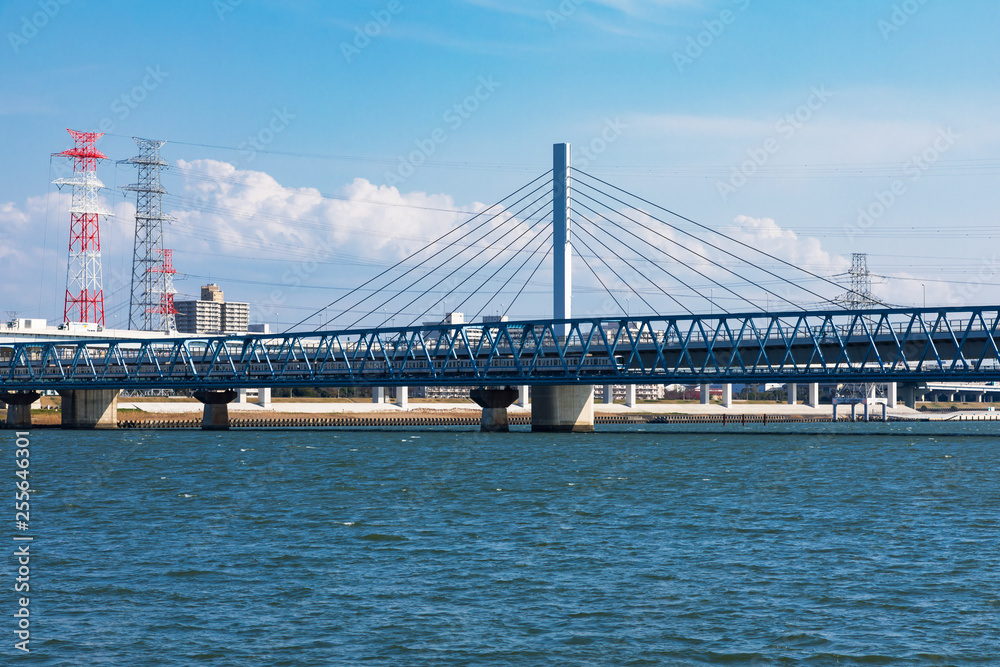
(381, 420)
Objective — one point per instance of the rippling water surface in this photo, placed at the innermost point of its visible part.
(848, 544)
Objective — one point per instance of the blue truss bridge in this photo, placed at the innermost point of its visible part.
(768, 319)
(875, 345)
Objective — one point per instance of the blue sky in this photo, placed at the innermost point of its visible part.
(692, 89)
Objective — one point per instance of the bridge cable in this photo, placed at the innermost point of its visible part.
(759, 285)
(651, 281)
(505, 264)
(447, 247)
(481, 267)
(405, 259)
(516, 271)
(711, 261)
(714, 231)
(440, 265)
(679, 261)
(686, 265)
(599, 279)
(528, 281)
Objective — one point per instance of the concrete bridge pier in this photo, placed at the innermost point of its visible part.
(562, 409)
(813, 400)
(727, 395)
(216, 414)
(494, 403)
(630, 395)
(522, 398)
(909, 394)
(19, 407)
(706, 394)
(90, 408)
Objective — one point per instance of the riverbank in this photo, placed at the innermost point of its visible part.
(459, 413)
(185, 413)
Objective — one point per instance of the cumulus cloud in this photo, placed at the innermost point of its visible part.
(234, 209)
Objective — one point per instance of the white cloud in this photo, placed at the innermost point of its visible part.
(233, 209)
(803, 252)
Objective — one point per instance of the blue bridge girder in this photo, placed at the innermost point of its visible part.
(874, 345)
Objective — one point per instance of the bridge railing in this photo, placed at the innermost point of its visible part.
(947, 343)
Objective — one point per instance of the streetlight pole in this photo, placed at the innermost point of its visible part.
(925, 294)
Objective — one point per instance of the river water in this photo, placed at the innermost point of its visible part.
(814, 544)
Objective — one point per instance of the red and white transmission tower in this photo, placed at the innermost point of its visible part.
(84, 290)
(166, 309)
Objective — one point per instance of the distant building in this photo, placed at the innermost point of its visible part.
(449, 318)
(212, 314)
(235, 316)
(198, 316)
(211, 292)
(643, 392)
(440, 392)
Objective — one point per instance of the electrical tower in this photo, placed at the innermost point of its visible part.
(148, 309)
(860, 296)
(166, 310)
(84, 289)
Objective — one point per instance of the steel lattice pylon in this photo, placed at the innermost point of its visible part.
(166, 307)
(146, 305)
(84, 290)
(860, 296)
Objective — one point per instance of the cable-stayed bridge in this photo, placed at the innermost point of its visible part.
(670, 265)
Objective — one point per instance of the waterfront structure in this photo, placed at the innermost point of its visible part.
(561, 358)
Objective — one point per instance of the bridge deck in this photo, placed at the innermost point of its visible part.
(905, 345)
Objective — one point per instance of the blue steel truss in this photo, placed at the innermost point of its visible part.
(883, 345)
